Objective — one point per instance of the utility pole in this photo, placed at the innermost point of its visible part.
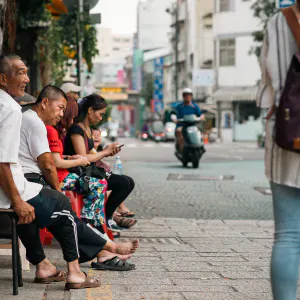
(187, 32)
(176, 48)
(79, 42)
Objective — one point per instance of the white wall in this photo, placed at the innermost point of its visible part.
(238, 21)
(108, 43)
(238, 24)
(153, 24)
(246, 71)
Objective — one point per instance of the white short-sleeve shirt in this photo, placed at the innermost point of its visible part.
(33, 142)
(10, 126)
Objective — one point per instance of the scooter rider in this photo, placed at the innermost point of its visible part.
(187, 107)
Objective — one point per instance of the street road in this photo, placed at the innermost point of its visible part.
(165, 189)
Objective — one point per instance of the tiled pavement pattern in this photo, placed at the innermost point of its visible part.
(182, 259)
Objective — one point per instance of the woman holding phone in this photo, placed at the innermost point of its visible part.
(79, 141)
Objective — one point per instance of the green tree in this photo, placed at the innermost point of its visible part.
(56, 38)
(263, 10)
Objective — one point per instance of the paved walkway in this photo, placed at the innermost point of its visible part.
(178, 259)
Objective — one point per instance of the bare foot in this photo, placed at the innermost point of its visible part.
(76, 277)
(44, 269)
(106, 255)
(127, 248)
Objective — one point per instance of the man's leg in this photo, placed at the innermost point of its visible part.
(53, 211)
(30, 237)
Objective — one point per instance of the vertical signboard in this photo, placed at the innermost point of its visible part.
(158, 83)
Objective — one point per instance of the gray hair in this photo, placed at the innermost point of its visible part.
(5, 63)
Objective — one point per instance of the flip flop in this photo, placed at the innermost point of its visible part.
(57, 277)
(127, 214)
(114, 264)
(90, 282)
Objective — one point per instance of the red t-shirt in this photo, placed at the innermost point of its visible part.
(56, 145)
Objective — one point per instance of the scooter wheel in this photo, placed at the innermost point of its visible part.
(185, 163)
(196, 164)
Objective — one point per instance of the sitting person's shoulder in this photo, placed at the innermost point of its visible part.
(51, 130)
(75, 129)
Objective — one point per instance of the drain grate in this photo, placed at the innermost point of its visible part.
(199, 177)
(263, 190)
(160, 241)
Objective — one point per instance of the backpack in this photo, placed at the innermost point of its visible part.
(287, 125)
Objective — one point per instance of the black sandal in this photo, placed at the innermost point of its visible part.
(127, 214)
(125, 222)
(114, 264)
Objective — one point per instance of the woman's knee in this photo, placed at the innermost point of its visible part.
(131, 183)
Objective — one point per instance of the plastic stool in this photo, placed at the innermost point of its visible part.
(108, 232)
(46, 237)
(77, 204)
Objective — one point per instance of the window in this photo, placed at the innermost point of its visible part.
(116, 49)
(227, 52)
(226, 5)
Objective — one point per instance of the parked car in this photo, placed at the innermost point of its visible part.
(170, 128)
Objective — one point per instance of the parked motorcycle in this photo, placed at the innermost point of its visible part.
(193, 142)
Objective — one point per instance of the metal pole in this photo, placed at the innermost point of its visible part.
(79, 43)
(187, 28)
(176, 49)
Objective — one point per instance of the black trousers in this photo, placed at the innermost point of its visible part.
(120, 186)
(53, 211)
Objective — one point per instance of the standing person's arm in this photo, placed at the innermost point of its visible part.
(10, 124)
(264, 98)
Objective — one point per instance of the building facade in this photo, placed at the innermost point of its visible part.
(113, 50)
(237, 70)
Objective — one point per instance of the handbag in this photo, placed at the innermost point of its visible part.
(89, 171)
(287, 124)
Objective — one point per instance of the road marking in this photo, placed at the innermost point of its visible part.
(149, 145)
(231, 156)
(131, 145)
(167, 145)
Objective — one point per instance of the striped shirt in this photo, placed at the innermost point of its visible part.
(281, 166)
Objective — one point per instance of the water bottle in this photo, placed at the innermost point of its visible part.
(118, 169)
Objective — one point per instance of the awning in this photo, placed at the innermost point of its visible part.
(233, 94)
(114, 96)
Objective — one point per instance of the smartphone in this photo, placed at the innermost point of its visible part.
(120, 146)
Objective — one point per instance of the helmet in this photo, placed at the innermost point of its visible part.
(187, 91)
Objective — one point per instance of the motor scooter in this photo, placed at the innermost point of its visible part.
(193, 142)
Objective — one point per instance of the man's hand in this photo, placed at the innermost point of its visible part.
(202, 117)
(25, 212)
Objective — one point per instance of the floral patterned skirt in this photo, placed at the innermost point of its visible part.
(93, 208)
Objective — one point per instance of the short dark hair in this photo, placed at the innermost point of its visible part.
(51, 92)
(5, 63)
